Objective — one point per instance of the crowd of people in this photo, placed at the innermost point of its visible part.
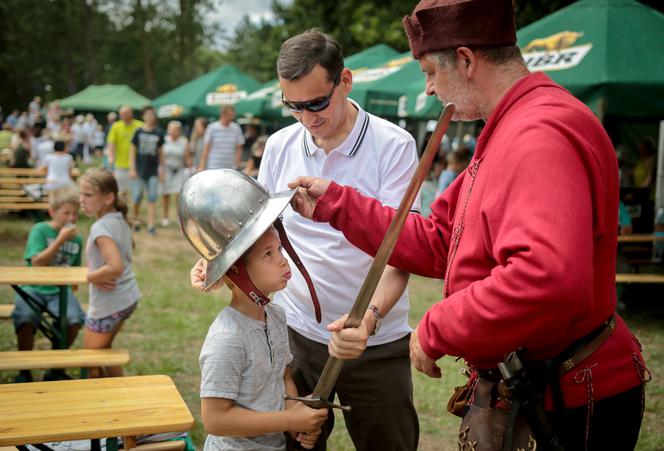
(143, 157)
(529, 299)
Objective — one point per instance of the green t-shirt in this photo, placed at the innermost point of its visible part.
(69, 254)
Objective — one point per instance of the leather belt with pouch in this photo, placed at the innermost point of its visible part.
(485, 419)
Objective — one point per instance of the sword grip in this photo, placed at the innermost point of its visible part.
(317, 403)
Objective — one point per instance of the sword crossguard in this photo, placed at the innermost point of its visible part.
(317, 403)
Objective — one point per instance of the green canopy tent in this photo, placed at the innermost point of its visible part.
(104, 98)
(204, 95)
(266, 102)
(395, 90)
(610, 55)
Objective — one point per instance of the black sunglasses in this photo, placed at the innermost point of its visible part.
(314, 106)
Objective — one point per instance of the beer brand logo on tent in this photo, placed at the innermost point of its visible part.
(227, 94)
(171, 110)
(555, 52)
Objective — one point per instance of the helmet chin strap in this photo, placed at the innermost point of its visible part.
(240, 277)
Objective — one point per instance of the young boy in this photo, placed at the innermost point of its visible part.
(244, 372)
(244, 359)
(50, 243)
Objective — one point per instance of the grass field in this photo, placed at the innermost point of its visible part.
(165, 334)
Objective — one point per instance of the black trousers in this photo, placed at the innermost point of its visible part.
(378, 386)
(614, 424)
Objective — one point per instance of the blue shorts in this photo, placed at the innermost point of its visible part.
(107, 324)
(23, 314)
(139, 184)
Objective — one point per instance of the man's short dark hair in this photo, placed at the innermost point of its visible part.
(59, 146)
(300, 54)
(147, 108)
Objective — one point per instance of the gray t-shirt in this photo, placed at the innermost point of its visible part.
(105, 303)
(244, 360)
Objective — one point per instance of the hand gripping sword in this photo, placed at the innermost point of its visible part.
(319, 398)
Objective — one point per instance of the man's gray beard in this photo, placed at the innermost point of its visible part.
(468, 101)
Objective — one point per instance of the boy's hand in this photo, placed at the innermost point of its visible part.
(67, 232)
(305, 419)
(308, 441)
(197, 276)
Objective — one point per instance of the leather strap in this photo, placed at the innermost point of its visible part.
(240, 277)
(588, 349)
(285, 243)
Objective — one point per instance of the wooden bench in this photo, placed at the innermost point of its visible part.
(14, 206)
(18, 199)
(20, 181)
(62, 358)
(6, 310)
(31, 172)
(172, 445)
(11, 192)
(639, 278)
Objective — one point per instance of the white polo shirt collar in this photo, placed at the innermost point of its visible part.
(351, 144)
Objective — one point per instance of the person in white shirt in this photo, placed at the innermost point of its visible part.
(58, 166)
(335, 138)
(223, 142)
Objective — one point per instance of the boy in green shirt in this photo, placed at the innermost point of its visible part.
(50, 243)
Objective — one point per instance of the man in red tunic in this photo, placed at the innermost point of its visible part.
(525, 238)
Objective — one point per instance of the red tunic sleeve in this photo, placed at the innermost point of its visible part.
(423, 243)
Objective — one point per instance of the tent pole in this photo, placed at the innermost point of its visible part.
(659, 193)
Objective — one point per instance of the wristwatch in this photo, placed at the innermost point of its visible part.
(379, 319)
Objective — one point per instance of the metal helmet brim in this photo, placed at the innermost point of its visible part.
(249, 234)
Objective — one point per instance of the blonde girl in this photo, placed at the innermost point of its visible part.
(114, 294)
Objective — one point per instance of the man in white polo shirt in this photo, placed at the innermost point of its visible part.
(222, 143)
(336, 139)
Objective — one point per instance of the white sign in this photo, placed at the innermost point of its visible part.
(556, 59)
(224, 98)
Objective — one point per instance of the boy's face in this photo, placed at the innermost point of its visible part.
(64, 214)
(268, 268)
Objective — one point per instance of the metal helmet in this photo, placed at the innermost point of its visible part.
(223, 212)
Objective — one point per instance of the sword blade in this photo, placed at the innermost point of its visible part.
(333, 365)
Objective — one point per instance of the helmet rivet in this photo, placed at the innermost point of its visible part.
(228, 237)
(210, 254)
(251, 212)
(260, 201)
(218, 246)
(240, 224)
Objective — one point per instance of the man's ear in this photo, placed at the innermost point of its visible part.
(466, 61)
(234, 269)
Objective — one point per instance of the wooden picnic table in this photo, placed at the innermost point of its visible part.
(61, 276)
(40, 412)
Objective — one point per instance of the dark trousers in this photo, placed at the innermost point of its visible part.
(378, 386)
(614, 424)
